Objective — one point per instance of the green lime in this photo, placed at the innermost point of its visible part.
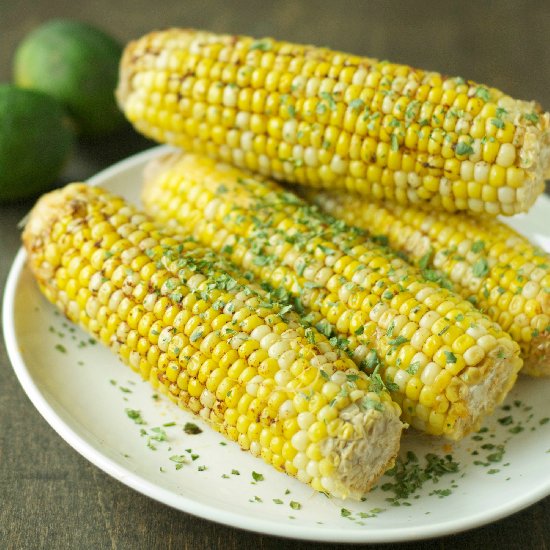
(36, 139)
(78, 65)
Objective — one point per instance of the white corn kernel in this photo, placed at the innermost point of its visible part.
(429, 373)
(506, 155)
(300, 441)
(474, 355)
(305, 420)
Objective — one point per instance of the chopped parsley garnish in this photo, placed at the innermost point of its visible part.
(483, 93)
(463, 148)
(478, 246)
(506, 420)
(180, 460)
(196, 335)
(395, 342)
(257, 477)
(310, 335)
(409, 476)
(531, 117)
(193, 429)
(480, 268)
(425, 260)
(413, 368)
(262, 45)
(135, 415)
(450, 356)
(357, 104)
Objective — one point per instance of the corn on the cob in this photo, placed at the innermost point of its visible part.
(488, 262)
(205, 337)
(328, 119)
(446, 363)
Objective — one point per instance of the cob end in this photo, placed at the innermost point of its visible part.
(537, 361)
(361, 461)
(502, 365)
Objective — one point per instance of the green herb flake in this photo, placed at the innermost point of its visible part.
(450, 356)
(357, 104)
(516, 429)
(394, 143)
(196, 335)
(135, 415)
(505, 420)
(262, 45)
(497, 456)
(61, 348)
(532, 117)
(329, 99)
(395, 342)
(413, 368)
(480, 268)
(192, 429)
(345, 513)
(257, 477)
(462, 148)
(483, 93)
(371, 361)
(425, 260)
(478, 246)
(180, 461)
(277, 501)
(295, 505)
(310, 335)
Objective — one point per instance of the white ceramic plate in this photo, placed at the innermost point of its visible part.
(88, 397)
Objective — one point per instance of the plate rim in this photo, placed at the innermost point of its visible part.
(182, 502)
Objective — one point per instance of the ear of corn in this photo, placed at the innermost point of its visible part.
(206, 338)
(332, 120)
(488, 262)
(446, 363)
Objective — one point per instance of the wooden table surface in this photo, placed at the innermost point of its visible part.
(51, 497)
